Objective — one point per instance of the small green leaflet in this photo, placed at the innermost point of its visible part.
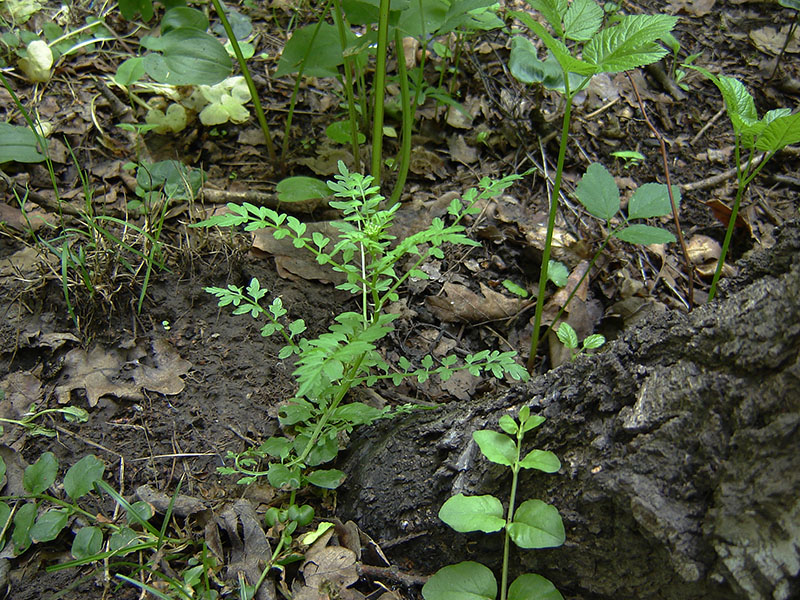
(582, 20)
(652, 200)
(644, 235)
(537, 525)
(530, 586)
(631, 43)
(473, 513)
(598, 192)
(464, 581)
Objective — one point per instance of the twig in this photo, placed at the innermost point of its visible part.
(659, 137)
(715, 180)
(705, 127)
(391, 573)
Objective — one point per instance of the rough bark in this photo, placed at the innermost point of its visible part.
(679, 446)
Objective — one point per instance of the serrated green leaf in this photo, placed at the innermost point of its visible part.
(629, 44)
(652, 200)
(557, 273)
(567, 335)
(473, 513)
(598, 192)
(739, 103)
(542, 460)
(88, 542)
(582, 20)
(594, 341)
(537, 525)
(780, 132)
(495, 446)
(530, 586)
(464, 581)
(644, 235)
(79, 479)
(562, 54)
(552, 10)
(40, 475)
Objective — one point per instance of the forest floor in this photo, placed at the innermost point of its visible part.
(172, 388)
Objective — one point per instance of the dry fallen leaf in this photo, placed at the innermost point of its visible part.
(121, 372)
(460, 304)
(771, 41)
(698, 8)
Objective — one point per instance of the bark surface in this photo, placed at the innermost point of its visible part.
(679, 446)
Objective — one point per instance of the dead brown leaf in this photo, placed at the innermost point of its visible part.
(698, 8)
(460, 304)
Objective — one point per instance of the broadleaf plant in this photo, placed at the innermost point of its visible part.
(774, 131)
(582, 48)
(347, 355)
(534, 524)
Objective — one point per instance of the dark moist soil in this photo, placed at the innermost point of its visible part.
(235, 383)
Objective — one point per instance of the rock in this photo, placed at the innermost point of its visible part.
(679, 446)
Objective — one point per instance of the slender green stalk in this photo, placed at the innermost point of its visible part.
(348, 84)
(379, 91)
(262, 120)
(408, 119)
(510, 516)
(744, 177)
(551, 224)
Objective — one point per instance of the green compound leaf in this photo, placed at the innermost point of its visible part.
(464, 581)
(81, 476)
(473, 513)
(779, 133)
(533, 587)
(543, 460)
(557, 47)
(40, 475)
(49, 525)
(631, 43)
(188, 57)
(652, 200)
(739, 103)
(582, 20)
(497, 447)
(598, 192)
(644, 235)
(19, 144)
(88, 542)
(537, 525)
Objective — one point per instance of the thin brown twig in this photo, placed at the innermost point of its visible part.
(660, 138)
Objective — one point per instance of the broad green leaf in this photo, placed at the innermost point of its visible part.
(49, 525)
(277, 447)
(631, 43)
(365, 12)
(537, 525)
(280, 477)
(508, 424)
(568, 62)
(473, 513)
(329, 479)
(88, 542)
(340, 132)
(141, 509)
(567, 335)
(533, 587)
(23, 521)
(598, 192)
(652, 200)
(594, 341)
(582, 20)
(18, 143)
(188, 57)
(79, 479)
(644, 235)
(552, 10)
(432, 18)
(40, 475)
(543, 460)
(301, 188)
(183, 16)
(739, 103)
(795, 4)
(470, 15)
(130, 8)
(123, 538)
(464, 581)
(533, 422)
(323, 58)
(780, 132)
(525, 66)
(497, 447)
(130, 71)
(5, 515)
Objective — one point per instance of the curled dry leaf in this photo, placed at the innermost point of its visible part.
(704, 252)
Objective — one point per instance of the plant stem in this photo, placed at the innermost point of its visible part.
(510, 515)
(408, 118)
(378, 90)
(348, 84)
(262, 120)
(551, 224)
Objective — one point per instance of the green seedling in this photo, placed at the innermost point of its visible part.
(631, 158)
(678, 75)
(328, 366)
(71, 414)
(774, 131)
(626, 43)
(515, 289)
(568, 337)
(534, 524)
